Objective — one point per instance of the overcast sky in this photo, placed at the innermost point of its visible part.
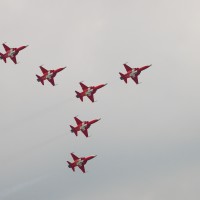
(147, 142)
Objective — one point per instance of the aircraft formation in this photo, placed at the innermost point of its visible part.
(89, 92)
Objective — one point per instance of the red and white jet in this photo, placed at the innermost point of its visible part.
(132, 73)
(11, 53)
(88, 91)
(48, 75)
(79, 162)
(82, 126)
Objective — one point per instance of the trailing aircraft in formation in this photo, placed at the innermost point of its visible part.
(11, 53)
(48, 75)
(132, 73)
(82, 126)
(79, 162)
(88, 91)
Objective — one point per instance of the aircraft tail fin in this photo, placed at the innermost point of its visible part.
(2, 57)
(70, 165)
(39, 79)
(78, 95)
(123, 77)
(73, 130)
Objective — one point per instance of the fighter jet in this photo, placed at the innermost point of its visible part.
(48, 75)
(82, 126)
(88, 91)
(132, 73)
(80, 162)
(11, 53)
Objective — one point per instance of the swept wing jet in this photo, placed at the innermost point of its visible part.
(79, 162)
(132, 73)
(11, 53)
(88, 91)
(82, 126)
(48, 75)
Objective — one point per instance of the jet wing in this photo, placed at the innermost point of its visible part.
(51, 81)
(78, 121)
(14, 59)
(74, 157)
(6, 47)
(84, 87)
(91, 97)
(85, 132)
(127, 67)
(44, 71)
(135, 79)
(82, 168)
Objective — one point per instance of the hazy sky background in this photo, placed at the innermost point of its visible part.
(147, 142)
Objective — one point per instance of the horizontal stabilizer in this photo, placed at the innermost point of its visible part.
(73, 130)
(123, 77)
(78, 95)
(39, 79)
(70, 165)
(2, 57)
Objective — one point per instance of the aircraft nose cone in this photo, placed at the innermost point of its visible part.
(63, 68)
(60, 69)
(91, 157)
(148, 66)
(103, 85)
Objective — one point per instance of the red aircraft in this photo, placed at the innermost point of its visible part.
(82, 126)
(88, 91)
(132, 73)
(80, 162)
(48, 74)
(11, 53)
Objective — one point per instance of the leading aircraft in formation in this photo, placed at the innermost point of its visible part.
(82, 126)
(88, 91)
(48, 75)
(79, 162)
(132, 73)
(11, 53)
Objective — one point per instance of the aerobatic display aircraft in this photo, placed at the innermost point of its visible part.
(88, 91)
(48, 75)
(80, 162)
(132, 73)
(82, 126)
(11, 53)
